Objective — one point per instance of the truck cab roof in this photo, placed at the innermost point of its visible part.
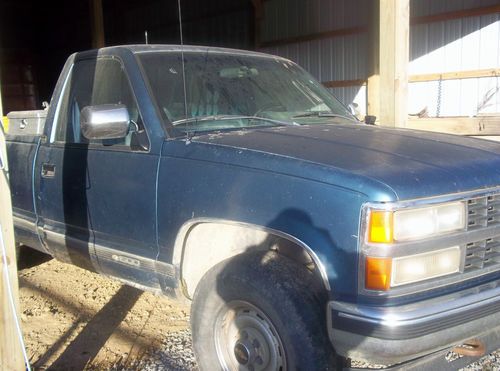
(152, 48)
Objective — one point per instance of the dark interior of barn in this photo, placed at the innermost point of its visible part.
(31, 61)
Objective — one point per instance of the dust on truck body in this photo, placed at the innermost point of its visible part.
(303, 237)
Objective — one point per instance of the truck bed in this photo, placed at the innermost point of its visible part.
(21, 150)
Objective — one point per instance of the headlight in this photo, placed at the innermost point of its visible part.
(415, 268)
(385, 273)
(428, 221)
(390, 260)
(410, 224)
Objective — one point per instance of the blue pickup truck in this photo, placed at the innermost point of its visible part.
(303, 237)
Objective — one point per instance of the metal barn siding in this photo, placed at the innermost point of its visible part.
(332, 59)
(226, 23)
(289, 18)
(469, 43)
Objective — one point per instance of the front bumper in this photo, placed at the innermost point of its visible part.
(388, 335)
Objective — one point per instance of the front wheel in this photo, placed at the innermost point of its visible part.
(260, 312)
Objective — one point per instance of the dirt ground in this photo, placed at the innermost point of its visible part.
(73, 319)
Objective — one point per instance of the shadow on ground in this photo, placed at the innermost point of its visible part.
(96, 332)
(29, 258)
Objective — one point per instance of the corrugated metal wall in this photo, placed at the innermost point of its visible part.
(470, 43)
(338, 58)
(456, 45)
(227, 23)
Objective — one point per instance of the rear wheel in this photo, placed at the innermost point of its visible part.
(260, 312)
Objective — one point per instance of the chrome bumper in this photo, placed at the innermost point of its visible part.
(388, 335)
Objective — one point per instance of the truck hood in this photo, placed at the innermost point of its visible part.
(412, 163)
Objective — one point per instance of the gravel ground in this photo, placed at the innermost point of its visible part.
(489, 362)
(73, 319)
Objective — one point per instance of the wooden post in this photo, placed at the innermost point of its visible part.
(97, 23)
(388, 81)
(259, 13)
(11, 353)
(1, 105)
(373, 81)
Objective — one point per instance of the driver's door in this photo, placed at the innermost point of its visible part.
(104, 190)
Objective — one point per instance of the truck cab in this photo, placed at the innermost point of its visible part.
(302, 236)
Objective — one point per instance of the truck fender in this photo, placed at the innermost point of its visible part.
(203, 243)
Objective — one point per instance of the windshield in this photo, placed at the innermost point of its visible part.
(231, 91)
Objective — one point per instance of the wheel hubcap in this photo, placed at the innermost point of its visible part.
(242, 353)
(246, 339)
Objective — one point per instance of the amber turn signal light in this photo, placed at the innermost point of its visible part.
(380, 228)
(378, 273)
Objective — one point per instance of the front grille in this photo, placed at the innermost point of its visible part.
(483, 212)
(482, 254)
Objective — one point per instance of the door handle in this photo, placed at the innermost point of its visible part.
(48, 170)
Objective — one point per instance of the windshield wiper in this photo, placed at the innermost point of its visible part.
(231, 117)
(322, 114)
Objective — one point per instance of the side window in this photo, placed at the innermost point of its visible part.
(94, 82)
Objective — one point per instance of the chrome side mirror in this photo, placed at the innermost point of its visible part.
(106, 121)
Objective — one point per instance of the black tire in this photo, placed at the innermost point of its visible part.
(260, 296)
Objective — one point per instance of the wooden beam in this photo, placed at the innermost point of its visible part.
(394, 40)
(457, 75)
(258, 15)
(1, 106)
(3, 121)
(11, 356)
(495, 138)
(97, 23)
(413, 21)
(259, 8)
(373, 81)
(477, 126)
(456, 15)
